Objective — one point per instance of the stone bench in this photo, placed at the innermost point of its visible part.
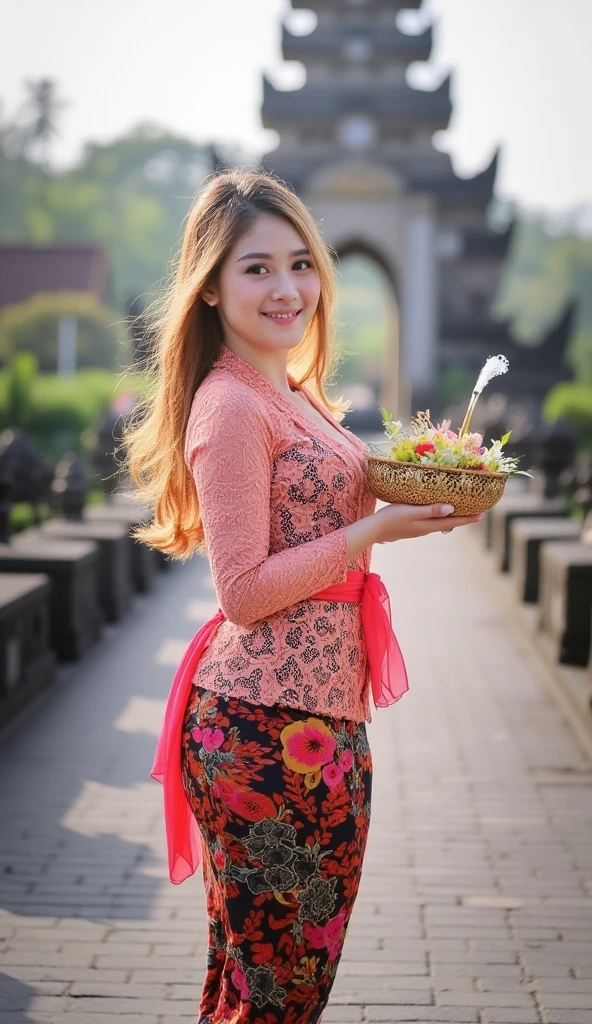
(74, 614)
(526, 536)
(513, 507)
(114, 579)
(27, 662)
(515, 487)
(163, 562)
(566, 598)
(142, 558)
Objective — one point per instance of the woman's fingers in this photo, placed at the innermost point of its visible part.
(453, 521)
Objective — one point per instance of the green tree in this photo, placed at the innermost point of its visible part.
(32, 326)
(572, 401)
(22, 371)
(131, 195)
(39, 118)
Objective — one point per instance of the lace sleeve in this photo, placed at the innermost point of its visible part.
(229, 452)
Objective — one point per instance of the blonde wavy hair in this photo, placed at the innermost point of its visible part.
(186, 336)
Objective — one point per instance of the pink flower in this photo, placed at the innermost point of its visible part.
(212, 738)
(197, 734)
(240, 982)
(444, 428)
(346, 760)
(332, 774)
(334, 928)
(329, 936)
(307, 744)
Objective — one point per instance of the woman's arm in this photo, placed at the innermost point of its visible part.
(229, 451)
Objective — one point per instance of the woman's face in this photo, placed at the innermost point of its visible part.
(267, 271)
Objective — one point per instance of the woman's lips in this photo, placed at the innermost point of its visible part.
(283, 319)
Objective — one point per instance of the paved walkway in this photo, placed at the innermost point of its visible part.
(477, 887)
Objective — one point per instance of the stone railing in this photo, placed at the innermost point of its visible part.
(65, 576)
(541, 537)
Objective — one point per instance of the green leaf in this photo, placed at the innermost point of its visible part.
(505, 438)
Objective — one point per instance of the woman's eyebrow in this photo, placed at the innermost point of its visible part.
(268, 256)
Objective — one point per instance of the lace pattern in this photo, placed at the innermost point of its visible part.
(276, 494)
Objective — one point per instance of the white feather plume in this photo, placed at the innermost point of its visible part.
(493, 367)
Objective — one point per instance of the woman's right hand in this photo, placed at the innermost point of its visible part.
(400, 522)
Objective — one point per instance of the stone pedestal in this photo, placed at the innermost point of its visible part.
(513, 507)
(27, 662)
(114, 580)
(526, 536)
(163, 562)
(142, 558)
(566, 599)
(515, 487)
(72, 566)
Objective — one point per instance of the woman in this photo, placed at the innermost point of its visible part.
(263, 753)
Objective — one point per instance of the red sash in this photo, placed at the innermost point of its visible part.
(388, 677)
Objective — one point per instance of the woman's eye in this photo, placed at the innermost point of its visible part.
(259, 266)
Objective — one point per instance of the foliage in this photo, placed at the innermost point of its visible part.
(544, 271)
(572, 402)
(64, 411)
(131, 195)
(19, 385)
(33, 326)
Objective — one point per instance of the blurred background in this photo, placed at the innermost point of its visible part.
(443, 147)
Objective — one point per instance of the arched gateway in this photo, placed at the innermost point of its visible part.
(355, 143)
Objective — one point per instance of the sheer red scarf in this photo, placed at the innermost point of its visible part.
(389, 682)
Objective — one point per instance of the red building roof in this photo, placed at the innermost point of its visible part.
(28, 269)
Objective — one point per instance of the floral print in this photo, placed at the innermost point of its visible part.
(282, 799)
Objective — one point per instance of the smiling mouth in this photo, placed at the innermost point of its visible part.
(283, 317)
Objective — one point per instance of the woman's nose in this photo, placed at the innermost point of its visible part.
(285, 289)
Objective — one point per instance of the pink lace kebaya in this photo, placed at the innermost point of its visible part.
(276, 494)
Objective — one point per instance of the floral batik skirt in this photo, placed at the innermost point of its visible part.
(282, 799)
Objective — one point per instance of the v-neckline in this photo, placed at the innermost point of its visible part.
(248, 369)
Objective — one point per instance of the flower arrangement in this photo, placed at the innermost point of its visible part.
(438, 445)
(437, 464)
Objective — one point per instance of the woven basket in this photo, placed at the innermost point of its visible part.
(412, 483)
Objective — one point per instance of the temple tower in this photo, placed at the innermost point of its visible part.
(356, 144)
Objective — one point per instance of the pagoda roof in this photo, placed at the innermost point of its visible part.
(331, 101)
(454, 191)
(485, 242)
(532, 367)
(385, 40)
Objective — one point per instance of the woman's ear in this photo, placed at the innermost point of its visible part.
(210, 296)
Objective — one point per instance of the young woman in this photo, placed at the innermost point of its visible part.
(263, 752)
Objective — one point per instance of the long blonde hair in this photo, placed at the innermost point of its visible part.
(186, 342)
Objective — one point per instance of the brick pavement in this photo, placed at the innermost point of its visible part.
(476, 893)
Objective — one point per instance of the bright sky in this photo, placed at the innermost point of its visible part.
(521, 78)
